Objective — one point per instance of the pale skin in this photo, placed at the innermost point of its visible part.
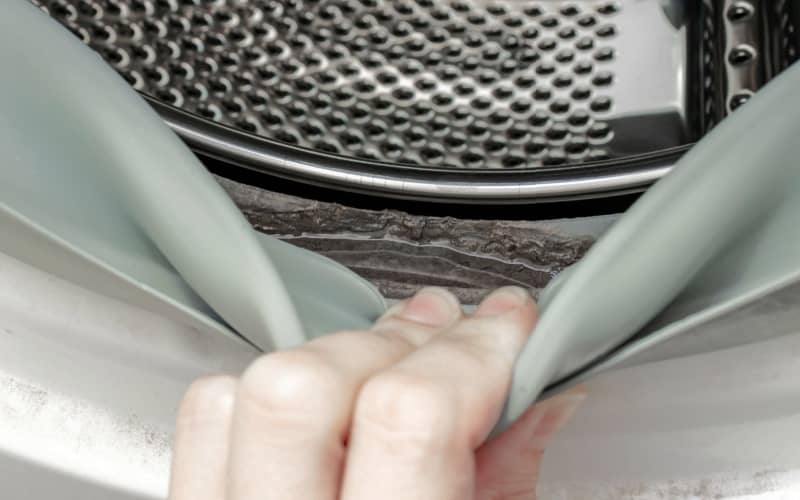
(402, 411)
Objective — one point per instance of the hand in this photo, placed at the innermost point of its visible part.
(399, 412)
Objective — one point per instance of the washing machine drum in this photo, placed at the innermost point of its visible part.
(470, 100)
(96, 189)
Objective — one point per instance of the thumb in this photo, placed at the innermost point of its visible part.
(508, 465)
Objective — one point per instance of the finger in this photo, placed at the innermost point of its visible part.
(202, 439)
(417, 319)
(508, 465)
(294, 408)
(417, 424)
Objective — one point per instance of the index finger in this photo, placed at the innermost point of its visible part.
(418, 423)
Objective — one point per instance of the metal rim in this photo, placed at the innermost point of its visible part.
(244, 150)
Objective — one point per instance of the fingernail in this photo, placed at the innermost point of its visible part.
(431, 306)
(503, 300)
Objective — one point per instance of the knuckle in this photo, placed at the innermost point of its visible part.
(408, 409)
(292, 382)
(208, 398)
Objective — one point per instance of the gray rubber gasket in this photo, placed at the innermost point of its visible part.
(123, 207)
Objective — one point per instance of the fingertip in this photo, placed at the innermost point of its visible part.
(504, 300)
(512, 314)
(209, 397)
(431, 306)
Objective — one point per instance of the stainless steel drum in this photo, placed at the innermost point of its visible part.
(471, 100)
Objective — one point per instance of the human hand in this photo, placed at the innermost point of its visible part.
(400, 412)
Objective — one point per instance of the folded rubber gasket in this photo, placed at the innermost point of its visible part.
(100, 191)
(94, 186)
(684, 254)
